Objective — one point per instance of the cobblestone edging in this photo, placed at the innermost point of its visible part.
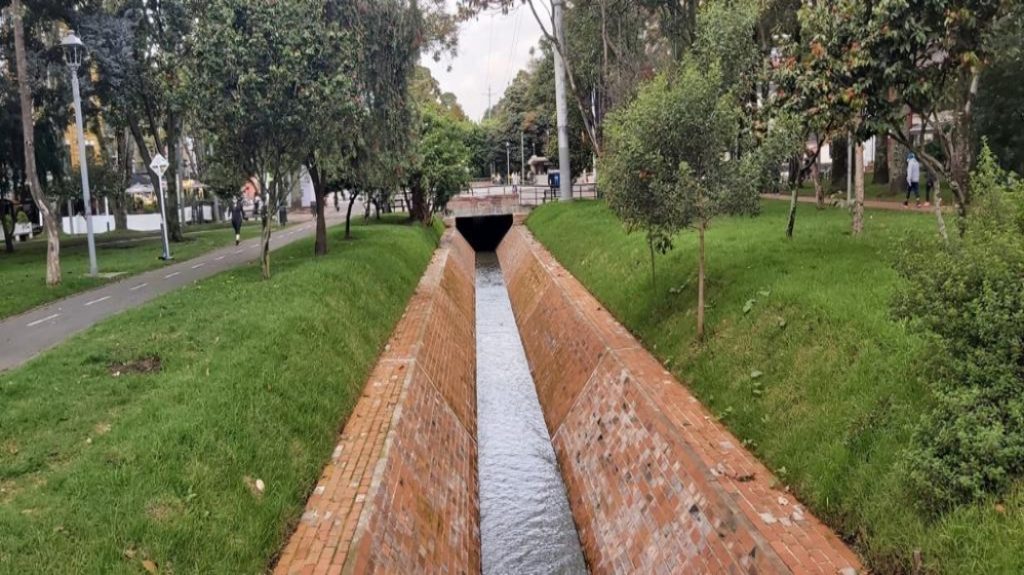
(400, 492)
(656, 484)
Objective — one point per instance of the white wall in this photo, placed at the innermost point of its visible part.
(136, 222)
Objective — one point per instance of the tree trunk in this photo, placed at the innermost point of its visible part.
(882, 146)
(125, 154)
(173, 209)
(898, 161)
(266, 229)
(701, 275)
(420, 210)
(858, 189)
(839, 163)
(8, 232)
(819, 191)
(53, 273)
(320, 194)
(939, 219)
(352, 195)
(793, 201)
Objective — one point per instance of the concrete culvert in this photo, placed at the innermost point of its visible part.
(484, 233)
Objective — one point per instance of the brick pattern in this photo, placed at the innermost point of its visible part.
(400, 493)
(656, 484)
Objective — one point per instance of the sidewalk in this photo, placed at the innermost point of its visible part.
(24, 336)
(869, 204)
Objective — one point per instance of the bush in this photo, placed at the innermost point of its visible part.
(22, 218)
(969, 298)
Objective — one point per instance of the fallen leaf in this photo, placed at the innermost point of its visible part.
(150, 567)
(755, 374)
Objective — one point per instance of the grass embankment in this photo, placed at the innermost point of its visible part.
(23, 273)
(100, 472)
(839, 394)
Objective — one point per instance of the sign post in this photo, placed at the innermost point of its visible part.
(159, 165)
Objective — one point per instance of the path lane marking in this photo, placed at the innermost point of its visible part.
(138, 287)
(197, 266)
(169, 276)
(239, 251)
(96, 301)
(44, 320)
(220, 258)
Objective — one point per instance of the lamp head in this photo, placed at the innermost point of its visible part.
(74, 49)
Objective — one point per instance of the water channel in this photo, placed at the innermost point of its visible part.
(525, 522)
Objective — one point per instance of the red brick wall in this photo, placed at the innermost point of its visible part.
(656, 484)
(400, 494)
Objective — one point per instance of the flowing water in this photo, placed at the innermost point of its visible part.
(525, 522)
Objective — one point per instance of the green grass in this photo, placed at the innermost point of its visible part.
(99, 473)
(841, 390)
(23, 273)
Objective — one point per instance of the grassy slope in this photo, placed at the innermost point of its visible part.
(840, 390)
(98, 473)
(23, 273)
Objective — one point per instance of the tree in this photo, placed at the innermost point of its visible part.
(141, 49)
(385, 44)
(998, 118)
(441, 168)
(921, 57)
(672, 163)
(53, 271)
(261, 82)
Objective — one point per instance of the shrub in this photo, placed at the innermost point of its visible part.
(968, 297)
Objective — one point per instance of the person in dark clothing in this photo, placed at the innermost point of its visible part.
(237, 214)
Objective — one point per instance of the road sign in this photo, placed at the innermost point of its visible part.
(159, 164)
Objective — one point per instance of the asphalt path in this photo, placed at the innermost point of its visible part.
(25, 336)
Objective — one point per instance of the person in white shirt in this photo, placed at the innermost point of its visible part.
(913, 180)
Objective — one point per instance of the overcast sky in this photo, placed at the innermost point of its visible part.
(492, 50)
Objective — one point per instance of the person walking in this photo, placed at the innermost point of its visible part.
(237, 213)
(913, 180)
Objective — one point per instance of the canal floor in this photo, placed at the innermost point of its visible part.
(526, 525)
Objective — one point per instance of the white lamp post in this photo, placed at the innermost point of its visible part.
(159, 165)
(74, 53)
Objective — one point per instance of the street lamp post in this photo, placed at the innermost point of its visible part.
(508, 162)
(159, 165)
(74, 53)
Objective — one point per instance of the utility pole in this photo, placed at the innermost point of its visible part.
(564, 167)
(74, 52)
(597, 122)
(522, 157)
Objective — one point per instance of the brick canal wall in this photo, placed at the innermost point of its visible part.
(400, 494)
(656, 484)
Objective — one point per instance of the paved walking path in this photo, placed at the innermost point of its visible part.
(25, 336)
(895, 206)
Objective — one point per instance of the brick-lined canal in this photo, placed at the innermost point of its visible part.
(525, 522)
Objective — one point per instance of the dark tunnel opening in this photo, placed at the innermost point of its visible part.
(484, 233)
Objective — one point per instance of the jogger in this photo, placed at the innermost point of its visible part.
(236, 220)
